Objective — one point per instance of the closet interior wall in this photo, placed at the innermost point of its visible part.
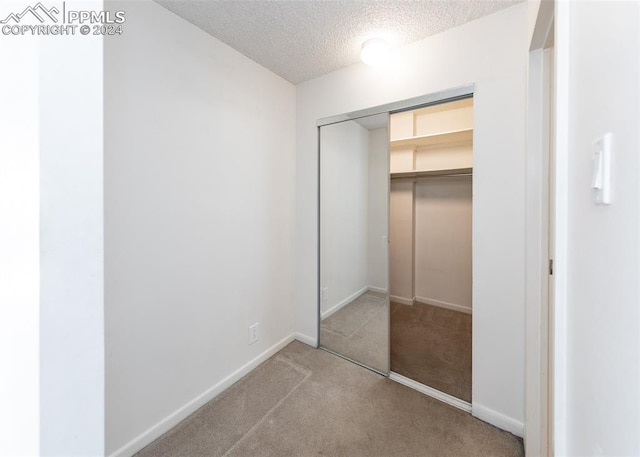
(431, 163)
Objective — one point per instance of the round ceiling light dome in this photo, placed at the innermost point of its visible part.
(374, 52)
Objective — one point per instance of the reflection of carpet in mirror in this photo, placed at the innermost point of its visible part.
(360, 331)
(432, 346)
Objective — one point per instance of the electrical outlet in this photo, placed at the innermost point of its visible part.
(253, 333)
(325, 293)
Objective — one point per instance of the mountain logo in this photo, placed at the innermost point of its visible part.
(38, 11)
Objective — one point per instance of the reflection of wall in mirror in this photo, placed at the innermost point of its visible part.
(354, 189)
(343, 208)
(378, 246)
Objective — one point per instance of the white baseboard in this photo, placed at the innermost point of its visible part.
(184, 411)
(378, 290)
(444, 304)
(306, 339)
(431, 392)
(402, 300)
(343, 303)
(498, 419)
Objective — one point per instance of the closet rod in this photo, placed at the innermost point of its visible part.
(420, 178)
(456, 175)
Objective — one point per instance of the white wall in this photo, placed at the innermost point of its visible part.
(443, 208)
(199, 199)
(603, 263)
(378, 209)
(51, 250)
(344, 161)
(490, 52)
(401, 241)
(19, 245)
(71, 244)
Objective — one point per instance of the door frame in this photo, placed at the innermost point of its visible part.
(537, 436)
(546, 219)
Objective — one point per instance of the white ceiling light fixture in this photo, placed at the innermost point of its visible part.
(375, 52)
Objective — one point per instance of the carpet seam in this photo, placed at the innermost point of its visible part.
(300, 369)
(277, 405)
(366, 322)
(356, 330)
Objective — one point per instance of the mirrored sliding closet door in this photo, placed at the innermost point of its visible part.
(354, 252)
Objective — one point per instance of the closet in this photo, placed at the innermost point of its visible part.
(430, 235)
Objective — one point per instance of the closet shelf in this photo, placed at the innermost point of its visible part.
(436, 138)
(427, 173)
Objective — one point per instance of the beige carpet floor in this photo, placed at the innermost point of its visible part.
(360, 331)
(432, 345)
(308, 402)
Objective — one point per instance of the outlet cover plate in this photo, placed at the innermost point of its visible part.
(253, 333)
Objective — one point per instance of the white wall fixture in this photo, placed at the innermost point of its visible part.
(253, 333)
(601, 170)
(375, 52)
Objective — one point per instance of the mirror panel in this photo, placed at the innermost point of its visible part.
(354, 251)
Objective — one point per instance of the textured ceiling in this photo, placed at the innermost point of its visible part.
(303, 39)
